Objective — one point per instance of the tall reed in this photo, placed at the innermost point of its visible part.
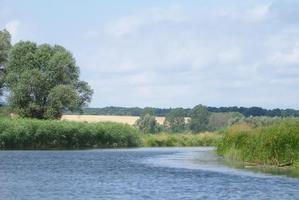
(43, 134)
(277, 144)
(180, 139)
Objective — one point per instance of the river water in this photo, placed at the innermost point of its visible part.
(127, 174)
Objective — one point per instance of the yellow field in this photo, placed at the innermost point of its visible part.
(106, 118)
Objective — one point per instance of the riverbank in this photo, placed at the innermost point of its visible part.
(181, 139)
(276, 145)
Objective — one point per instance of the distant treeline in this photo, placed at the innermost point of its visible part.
(136, 111)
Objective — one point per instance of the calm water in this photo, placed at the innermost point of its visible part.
(147, 173)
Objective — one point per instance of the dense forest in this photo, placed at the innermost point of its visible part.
(136, 111)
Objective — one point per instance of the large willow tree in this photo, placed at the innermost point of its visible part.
(44, 81)
(4, 50)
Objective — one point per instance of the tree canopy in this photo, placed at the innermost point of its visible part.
(199, 118)
(148, 124)
(247, 112)
(43, 81)
(222, 120)
(5, 46)
(175, 120)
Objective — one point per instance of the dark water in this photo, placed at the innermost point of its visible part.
(161, 173)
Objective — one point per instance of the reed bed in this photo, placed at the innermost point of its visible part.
(181, 139)
(276, 144)
(47, 134)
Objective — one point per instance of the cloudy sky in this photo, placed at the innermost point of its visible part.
(172, 53)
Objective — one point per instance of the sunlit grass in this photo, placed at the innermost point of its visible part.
(43, 134)
(181, 139)
(277, 144)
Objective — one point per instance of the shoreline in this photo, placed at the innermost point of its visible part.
(290, 171)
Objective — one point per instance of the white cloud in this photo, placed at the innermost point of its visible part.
(283, 47)
(90, 34)
(212, 52)
(13, 27)
(259, 12)
(173, 57)
(132, 23)
(288, 58)
(125, 25)
(139, 79)
(230, 56)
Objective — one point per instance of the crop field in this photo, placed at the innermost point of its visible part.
(106, 118)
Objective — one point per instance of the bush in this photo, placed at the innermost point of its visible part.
(44, 134)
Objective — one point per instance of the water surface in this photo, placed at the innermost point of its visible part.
(145, 173)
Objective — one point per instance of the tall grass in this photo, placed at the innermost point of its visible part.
(44, 134)
(4, 112)
(276, 144)
(180, 139)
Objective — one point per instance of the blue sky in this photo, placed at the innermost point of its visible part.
(172, 53)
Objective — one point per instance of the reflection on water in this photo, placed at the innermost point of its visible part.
(205, 158)
(273, 170)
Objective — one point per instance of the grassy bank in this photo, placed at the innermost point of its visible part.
(45, 134)
(180, 140)
(49, 134)
(276, 144)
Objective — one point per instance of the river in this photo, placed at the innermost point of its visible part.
(128, 174)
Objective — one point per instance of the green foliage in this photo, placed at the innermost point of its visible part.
(44, 81)
(148, 124)
(222, 120)
(181, 140)
(276, 144)
(199, 119)
(4, 112)
(247, 112)
(5, 46)
(148, 111)
(44, 134)
(175, 120)
(256, 121)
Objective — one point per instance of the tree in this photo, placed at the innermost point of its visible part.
(44, 81)
(5, 46)
(148, 110)
(148, 124)
(199, 118)
(175, 120)
(222, 120)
